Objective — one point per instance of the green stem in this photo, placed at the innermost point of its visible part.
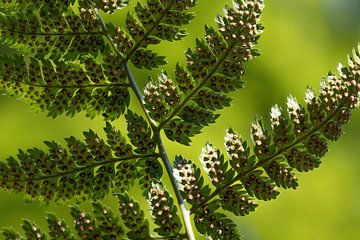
(184, 211)
(139, 96)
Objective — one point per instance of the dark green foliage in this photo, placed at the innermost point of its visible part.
(53, 32)
(140, 133)
(155, 21)
(108, 223)
(192, 182)
(85, 169)
(213, 69)
(215, 225)
(32, 231)
(67, 88)
(181, 131)
(296, 142)
(27, 6)
(160, 96)
(164, 211)
(117, 142)
(104, 224)
(150, 172)
(58, 228)
(50, 39)
(236, 200)
(134, 218)
(64, 60)
(109, 6)
(10, 234)
(101, 225)
(54, 36)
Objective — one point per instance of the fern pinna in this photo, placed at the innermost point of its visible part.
(62, 58)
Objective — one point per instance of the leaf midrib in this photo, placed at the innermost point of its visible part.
(197, 89)
(81, 169)
(147, 34)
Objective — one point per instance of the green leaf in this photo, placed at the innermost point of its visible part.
(85, 224)
(164, 211)
(180, 131)
(217, 168)
(215, 225)
(53, 32)
(85, 169)
(102, 224)
(107, 222)
(110, 6)
(297, 140)
(49, 7)
(215, 67)
(261, 139)
(160, 96)
(126, 174)
(239, 152)
(59, 87)
(259, 186)
(32, 231)
(198, 115)
(58, 228)
(154, 101)
(281, 174)
(149, 24)
(134, 218)
(191, 181)
(140, 133)
(301, 160)
(10, 234)
(237, 201)
(117, 142)
(144, 58)
(150, 172)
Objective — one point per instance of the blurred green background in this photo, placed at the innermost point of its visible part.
(302, 42)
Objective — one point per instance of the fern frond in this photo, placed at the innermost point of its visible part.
(11, 234)
(213, 69)
(32, 231)
(85, 169)
(164, 211)
(215, 225)
(134, 218)
(58, 228)
(56, 38)
(102, 224)
(59, 87)
(157, 20)
(109, 6)
(7, 53)
(68, 66)
(140, 133)
(56, 33)
(192, 182)
(297, 140)
(55, 6)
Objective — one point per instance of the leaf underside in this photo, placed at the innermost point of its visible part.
(65, 60)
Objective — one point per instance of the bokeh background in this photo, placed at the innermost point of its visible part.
(302, 42)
